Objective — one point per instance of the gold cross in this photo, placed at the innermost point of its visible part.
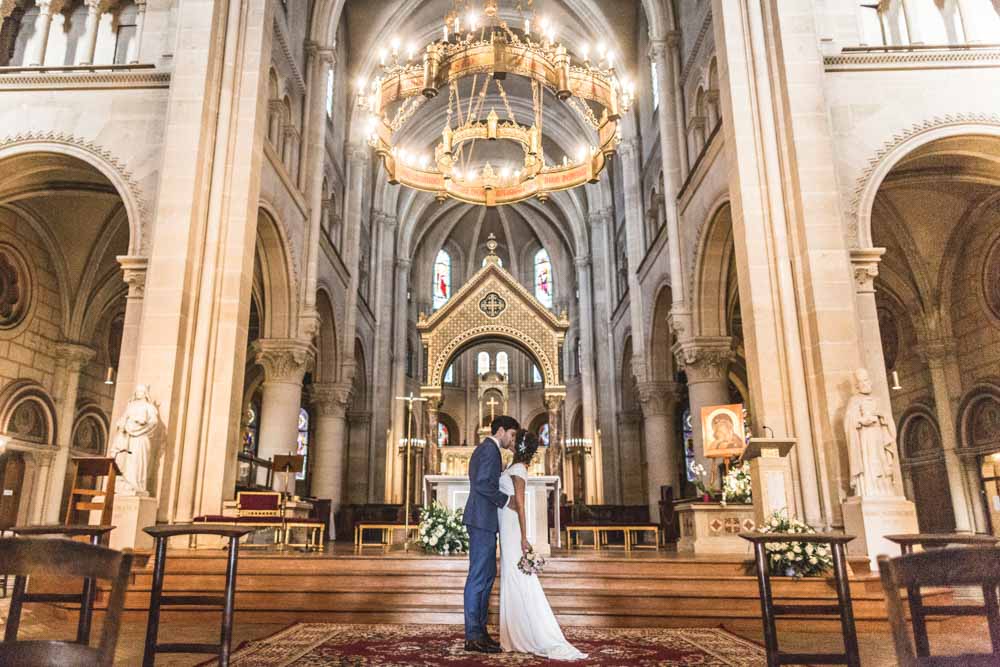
(492, 403)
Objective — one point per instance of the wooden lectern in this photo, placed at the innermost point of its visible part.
(286, 464)
(96, 467)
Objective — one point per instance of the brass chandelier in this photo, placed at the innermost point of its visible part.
(478, 44)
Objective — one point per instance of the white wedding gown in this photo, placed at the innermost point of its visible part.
(527, 624)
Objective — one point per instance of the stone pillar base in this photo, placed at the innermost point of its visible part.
(710, 528)
(870, 519)
(129, 516)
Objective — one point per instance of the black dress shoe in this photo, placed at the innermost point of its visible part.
(480, 646)
(489, 640)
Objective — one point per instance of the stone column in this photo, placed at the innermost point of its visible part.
(192, 348)
(87, 46)
(357, 156)
(970, 470)
(912, 15)
(132, 56)
(400, 316)
(632, 181)
(970, 23)
(553, 404)
(285, 363)
(46, 8)
(329, 446)
(865, 264)
(432, 455)
(72, 359)
(659, 402)
(940, 357)
(43, 477)
(705, 361)
(594, 463)
(134, 275)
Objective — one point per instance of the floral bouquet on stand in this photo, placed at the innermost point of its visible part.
(698, 470)
(795, 559)
(736, 485)
(531, 563)
(442, 532)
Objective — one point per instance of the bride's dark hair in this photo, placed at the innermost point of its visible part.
(525, 446)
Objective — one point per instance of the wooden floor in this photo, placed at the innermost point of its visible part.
(607, 588)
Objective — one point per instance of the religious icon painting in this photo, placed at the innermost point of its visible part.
(723, 432)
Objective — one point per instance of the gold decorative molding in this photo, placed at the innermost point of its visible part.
(463, 320)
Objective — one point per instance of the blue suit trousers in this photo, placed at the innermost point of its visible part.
(479, 584)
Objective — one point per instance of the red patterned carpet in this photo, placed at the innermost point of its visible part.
(309, 644)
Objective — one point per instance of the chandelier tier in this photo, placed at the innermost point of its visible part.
(492, 51)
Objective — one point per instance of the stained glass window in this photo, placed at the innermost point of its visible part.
(503, 363)
(536, 375)
(543, 435)
(483, 363)
(303, 442)
(442, 435)
(689, 457)
(329, 92)
(442, 279)
(449, 375)
(250, 433)
(543, 278)
(654, 79)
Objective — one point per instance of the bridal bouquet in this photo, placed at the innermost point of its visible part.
(442, 532)
(531, 563)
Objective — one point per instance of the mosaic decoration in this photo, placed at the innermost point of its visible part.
(986, 423)
(493, 304)
(28, 422)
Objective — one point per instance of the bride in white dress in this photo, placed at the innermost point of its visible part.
(527, 624)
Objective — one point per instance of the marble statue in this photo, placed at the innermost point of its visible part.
(132, 448)
(871, 441)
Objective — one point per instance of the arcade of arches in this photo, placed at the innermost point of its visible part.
(202, 215)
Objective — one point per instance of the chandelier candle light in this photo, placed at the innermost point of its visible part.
(480, 45)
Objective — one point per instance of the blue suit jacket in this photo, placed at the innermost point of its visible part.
(485, 497)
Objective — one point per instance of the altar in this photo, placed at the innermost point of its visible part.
(453, 492)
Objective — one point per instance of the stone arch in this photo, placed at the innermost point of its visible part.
(327, 346)
(919, 435)
(90, 431)
(99, 158)
(359, 391)
(710, 283)
(979, 419)
(894, 150)
(277, 277)
(661, 357)
(28, 413)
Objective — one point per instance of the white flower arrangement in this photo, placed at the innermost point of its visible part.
(736, 485)
(795, 559)
(442, 531)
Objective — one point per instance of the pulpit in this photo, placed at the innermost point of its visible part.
(453, 492)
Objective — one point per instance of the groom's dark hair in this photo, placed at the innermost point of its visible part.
(505, 422)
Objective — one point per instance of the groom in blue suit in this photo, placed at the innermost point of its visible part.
(480, 517)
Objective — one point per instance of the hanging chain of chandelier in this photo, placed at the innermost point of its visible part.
(480, 46)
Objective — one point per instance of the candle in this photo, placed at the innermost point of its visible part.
(895, 380)
(445, 33)
(527, 26)
(110, 377)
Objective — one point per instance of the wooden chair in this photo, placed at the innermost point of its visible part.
(95, 535)
(770, 612)
(973, 566)
(25, 557)
(225, 602)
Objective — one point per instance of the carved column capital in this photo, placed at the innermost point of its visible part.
(330, 399)
(309, 323)
(553, 403)
(358, 154)
(679, 321)
(658, 399)
(601, 216)
(582, 262)
(75, 356)
(658, 50)
(134, 274)
(864, 262)
(403, 264)
(285, 360)
(705, 359)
